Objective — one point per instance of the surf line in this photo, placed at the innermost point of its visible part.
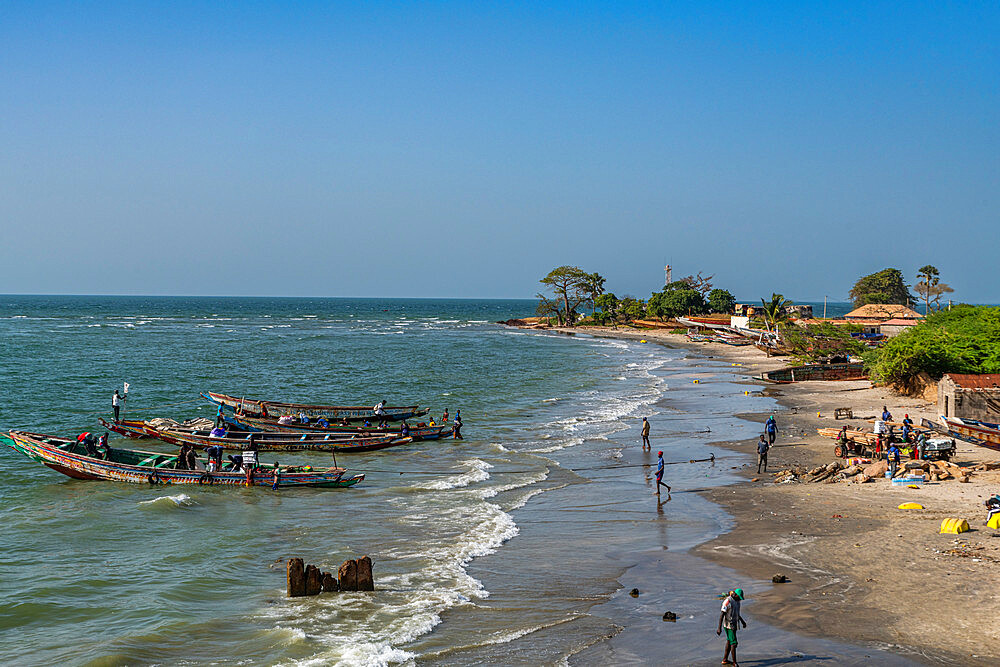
(710, 459)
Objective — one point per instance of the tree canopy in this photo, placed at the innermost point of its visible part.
(930, 288)
(677, 299)
(721, 301)
(965, 339)
(571, 287)
(886, 286)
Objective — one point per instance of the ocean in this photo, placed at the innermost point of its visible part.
(511, 546)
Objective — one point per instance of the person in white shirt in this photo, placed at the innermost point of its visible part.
(729, 619)
(116, 404)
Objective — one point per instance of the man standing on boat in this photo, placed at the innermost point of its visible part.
(645, 434)
(379, 410)
(116, 404)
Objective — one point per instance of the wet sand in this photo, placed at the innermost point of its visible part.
(860, 570)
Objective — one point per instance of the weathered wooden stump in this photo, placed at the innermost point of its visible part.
(296, 578)
(314, 580)
(330, 583)
(364, 569)
(348, 575)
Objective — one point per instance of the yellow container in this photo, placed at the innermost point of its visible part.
(911, 506)
(954, 526)
(994, 522)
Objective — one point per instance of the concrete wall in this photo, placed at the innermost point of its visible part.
(953, 401)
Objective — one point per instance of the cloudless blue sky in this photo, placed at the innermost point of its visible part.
(451, 149)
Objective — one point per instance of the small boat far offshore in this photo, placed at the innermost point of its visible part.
(137, 467)
(261, 408)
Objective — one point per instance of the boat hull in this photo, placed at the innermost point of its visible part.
(137, 467)
(256, 408)
(264, 442)
(272, 426)
(825, 372)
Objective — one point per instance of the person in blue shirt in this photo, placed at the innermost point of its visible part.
(771, 428)
(886, 415)
(893, 456)
(762, 447)
(659, 474)
(404, 429)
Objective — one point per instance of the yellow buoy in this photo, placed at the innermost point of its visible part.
(695, 381)
(911, 506)
(643, 340)
(954, 526)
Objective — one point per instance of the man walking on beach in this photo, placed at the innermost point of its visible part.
(659, 474)
(116, 404)
(762, 448)
(771, 428)
(728, 619)
(645, 434)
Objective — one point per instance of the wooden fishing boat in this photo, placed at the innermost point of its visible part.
(260, 424)
(984, 434)
(138, 467)
(259, 408)
(816, 372)
(264, 442)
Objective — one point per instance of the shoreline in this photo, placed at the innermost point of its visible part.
(845, 548)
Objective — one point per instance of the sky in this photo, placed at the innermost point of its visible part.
(465, 149)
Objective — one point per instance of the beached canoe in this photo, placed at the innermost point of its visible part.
(260, 408)
(984, 434)
(138, 467)
(264, 442)
(260, 424)
(816, 372)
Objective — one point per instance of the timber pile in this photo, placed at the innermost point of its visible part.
(353, 575)
(854, 434)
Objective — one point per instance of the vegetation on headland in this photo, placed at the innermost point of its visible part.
(964, 339)
(885, 286)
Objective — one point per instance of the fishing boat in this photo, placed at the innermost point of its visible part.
(984, 434)
(138, 467)
(264, 442)
(848, 371)
(259, 408)
(261, 424)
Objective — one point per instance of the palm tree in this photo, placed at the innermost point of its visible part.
(775, 310)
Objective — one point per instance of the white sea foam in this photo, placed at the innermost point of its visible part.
(476, 474)
(180, 500)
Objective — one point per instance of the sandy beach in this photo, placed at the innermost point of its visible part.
(858, 568)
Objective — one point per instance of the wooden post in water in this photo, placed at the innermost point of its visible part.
(364, 572)
(348, 575)
(314, 580)
(296, 578)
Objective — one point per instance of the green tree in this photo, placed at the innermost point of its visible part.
(775, 309)
(594, 287)
(608, 305)
(677, 299)
(571, 286)
(630, 309)
(965, 339)
(886, 286)
(721, 301)
(930, 288)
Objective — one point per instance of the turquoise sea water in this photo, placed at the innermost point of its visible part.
(491, 549)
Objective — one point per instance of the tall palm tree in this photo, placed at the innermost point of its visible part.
(775, 310)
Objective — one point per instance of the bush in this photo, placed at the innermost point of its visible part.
(965, 339)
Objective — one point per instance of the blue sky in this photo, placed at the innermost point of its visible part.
(445, 149)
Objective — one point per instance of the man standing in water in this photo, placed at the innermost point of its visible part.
(116, 404)
(457, 430)
(728, 619)
(771, 428)
(645, 434)
(659, 474)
